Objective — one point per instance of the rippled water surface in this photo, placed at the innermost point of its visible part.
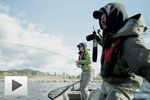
(40, 90)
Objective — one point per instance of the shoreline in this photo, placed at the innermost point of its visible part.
(53, 80)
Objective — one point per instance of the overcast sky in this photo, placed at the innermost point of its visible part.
(52, 26)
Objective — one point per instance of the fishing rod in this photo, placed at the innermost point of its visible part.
(37, 49)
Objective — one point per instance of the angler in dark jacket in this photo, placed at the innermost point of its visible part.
(125, 57)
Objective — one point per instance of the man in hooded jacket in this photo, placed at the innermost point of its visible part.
(125, 57)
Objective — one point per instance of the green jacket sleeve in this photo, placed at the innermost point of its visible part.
(137, 56)
(87, 59)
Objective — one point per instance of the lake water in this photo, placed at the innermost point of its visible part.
(40, 90)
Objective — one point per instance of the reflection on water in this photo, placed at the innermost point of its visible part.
(144, 93)
(40, 90)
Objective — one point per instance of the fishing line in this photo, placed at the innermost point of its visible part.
(38, 49)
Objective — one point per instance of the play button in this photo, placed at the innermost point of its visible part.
(16, 85)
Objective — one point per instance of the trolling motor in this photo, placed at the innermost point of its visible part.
(95, 36)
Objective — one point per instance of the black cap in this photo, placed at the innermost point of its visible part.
(97, 14)
(82, 44)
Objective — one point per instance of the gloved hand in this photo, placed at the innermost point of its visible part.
(78, 64)
(145, 72)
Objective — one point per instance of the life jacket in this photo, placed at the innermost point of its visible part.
(81, 56)
(109, 58)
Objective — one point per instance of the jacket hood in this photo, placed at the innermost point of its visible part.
(116, 16)
(133, 27)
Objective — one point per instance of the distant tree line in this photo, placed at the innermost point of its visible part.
(36, 74)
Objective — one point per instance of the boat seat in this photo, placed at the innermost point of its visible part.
(94, 95)
(74, 95)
